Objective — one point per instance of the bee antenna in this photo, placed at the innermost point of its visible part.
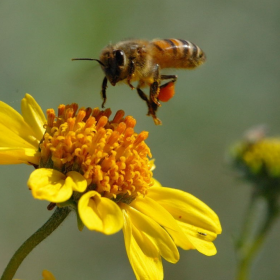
(89, 59)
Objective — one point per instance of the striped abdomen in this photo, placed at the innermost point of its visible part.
(176, 53)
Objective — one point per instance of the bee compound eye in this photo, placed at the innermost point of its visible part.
(120, 57)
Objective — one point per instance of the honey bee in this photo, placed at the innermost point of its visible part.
(142, 61)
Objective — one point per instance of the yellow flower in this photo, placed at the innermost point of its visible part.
(257, 160)
(261, 157)
(103, 170)
(264, 154)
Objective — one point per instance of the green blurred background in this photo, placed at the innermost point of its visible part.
(237, 88)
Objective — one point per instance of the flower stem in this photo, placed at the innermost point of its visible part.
(247, 225)
(54, 221)
(248, 249)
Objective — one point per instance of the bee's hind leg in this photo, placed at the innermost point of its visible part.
(167, 77)
(154, 87)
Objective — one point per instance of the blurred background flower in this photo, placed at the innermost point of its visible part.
(257, 160)
(237, 87)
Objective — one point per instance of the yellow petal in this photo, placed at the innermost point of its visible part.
(47, 275)
(186, 208)
(33, 115)
(157, 235)
(79, 183)
(50, 184)
(160, 215)
(100, 213)
(201, 239)
(19, 155)
(196, 220)
(13, 128)
(10, 138)
(142, 254)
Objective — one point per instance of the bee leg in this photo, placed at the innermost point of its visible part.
(154, 91)
(152, 111)
(144, 97)
(152, 107)
(154, 88)
(103, 91)
(131, 69)
(166, 77)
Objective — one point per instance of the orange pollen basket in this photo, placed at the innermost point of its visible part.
(109, 154)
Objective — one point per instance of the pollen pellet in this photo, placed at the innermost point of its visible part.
(167, 92)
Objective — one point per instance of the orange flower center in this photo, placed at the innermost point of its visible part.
(109, 154)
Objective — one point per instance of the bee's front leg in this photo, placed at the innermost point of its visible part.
(103, 91)
(131, 70)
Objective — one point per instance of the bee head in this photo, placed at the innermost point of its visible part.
(113, 64)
